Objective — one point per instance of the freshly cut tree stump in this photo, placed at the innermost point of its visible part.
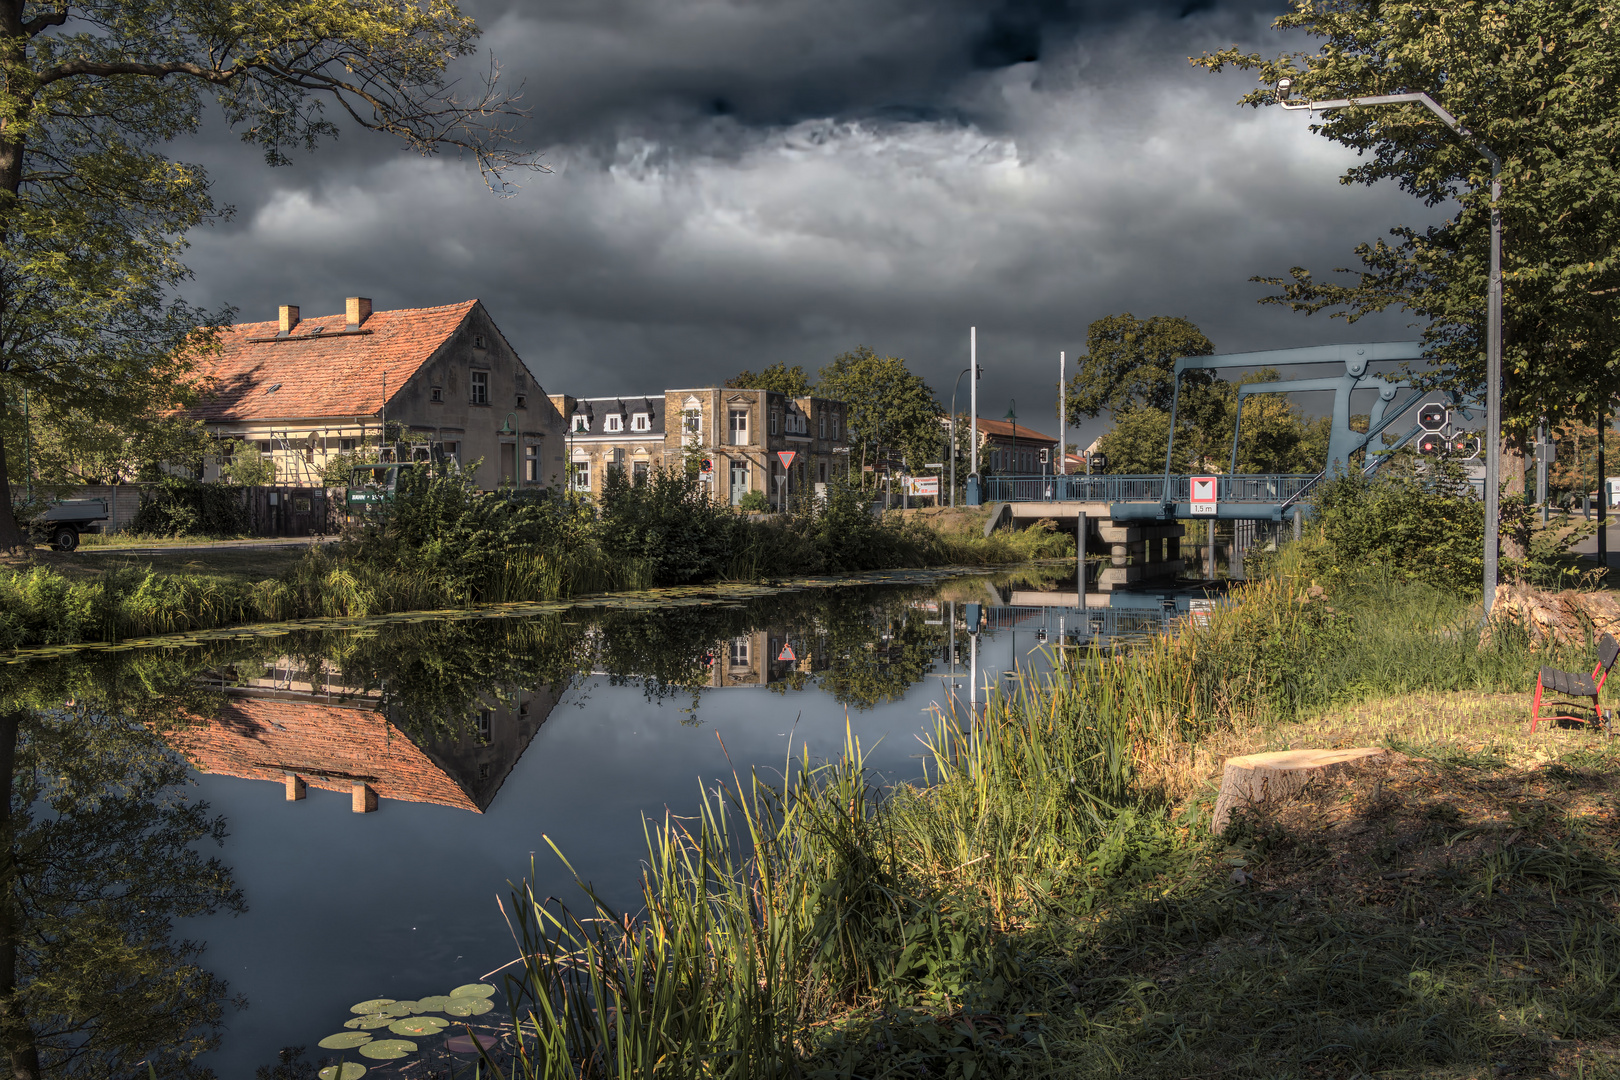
(1282, 774)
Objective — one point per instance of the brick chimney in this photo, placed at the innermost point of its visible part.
(359, 308)
(289, 318)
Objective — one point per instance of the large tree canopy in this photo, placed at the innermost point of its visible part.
(1533, 80)
(1130, 362)
(887, 407)
(93, 215)
(778, 378)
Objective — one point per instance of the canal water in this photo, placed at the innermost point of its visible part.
(381, 787)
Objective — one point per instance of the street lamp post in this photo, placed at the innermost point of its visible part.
(954, 389)
(1493, 317)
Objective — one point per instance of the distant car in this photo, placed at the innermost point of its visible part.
(61, 523)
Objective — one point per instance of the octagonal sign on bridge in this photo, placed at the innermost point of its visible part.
(1203, 495)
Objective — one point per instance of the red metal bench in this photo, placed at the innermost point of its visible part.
(1569, 684)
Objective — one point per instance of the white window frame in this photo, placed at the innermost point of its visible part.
(531, 463)
(578, 468)
(739, 427)
(478, 388)
(641, 422)
(692, 424)
(613, 423)
(581, 423)
(740, 650)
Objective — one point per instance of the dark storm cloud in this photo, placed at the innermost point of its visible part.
(739, 183)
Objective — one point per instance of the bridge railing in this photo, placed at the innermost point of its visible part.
(1241, 488)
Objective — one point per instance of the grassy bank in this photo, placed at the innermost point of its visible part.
(56, 599)
(1051, 903)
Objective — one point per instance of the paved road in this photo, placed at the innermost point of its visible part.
(208, 545)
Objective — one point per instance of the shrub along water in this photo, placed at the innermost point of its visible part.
(825, 927)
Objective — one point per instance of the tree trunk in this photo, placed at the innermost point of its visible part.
(16, 1038)
(1256, 779)
(11, 534)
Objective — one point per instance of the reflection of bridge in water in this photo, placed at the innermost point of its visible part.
(1137, 518)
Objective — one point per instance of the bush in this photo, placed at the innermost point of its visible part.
(754, 502)
(665, 524)
(188, 508)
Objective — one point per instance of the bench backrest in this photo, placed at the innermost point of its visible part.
(1608, 650)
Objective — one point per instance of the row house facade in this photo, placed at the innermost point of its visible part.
(303, 390)
(742, 434)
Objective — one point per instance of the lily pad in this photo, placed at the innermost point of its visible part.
(387, 1049)
(349, 1070)
(374, 1005)
(344, 1040)
(469, 1006)
(418, 1025)
(398, 1008)
(369, 1022)
(436, 1003)
(473, 990)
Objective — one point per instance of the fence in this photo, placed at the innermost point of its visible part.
(278, 510)
(1240, 488)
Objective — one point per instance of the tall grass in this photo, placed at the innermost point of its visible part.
(823, 927)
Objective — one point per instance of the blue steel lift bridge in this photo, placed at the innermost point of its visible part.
(1166, 497)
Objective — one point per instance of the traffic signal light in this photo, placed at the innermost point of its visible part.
(1433, 416)
(1431, 445)
(1465, 446)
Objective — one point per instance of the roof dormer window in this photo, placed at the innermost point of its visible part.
(582, 422)
(614, 423)
(641, 422)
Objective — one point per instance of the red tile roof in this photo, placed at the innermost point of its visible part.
(320, 375)
(330, 746)
(1004, 428)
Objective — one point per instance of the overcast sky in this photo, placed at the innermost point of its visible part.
(737, 182)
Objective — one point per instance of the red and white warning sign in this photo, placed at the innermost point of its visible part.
(1203, 495)
(787, 653)
(787, 457)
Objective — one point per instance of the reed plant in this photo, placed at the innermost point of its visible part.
(828, 927)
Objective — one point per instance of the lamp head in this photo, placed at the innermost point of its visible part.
(1285, 86)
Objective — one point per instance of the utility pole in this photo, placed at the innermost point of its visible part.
(973, 397)
(1063, 417)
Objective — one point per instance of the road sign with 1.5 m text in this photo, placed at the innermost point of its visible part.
(1203, 495)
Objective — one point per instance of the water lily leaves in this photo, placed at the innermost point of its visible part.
(387, 1049)
(372, 1006)
(344, 1040)
(349, 1070)
(369, 1022)
(436, 1003)
(473, 990)
(398, 1008)
(469, 1006)
(418, 1025)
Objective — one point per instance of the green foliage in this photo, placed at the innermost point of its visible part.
(1417, 527)
(780, 378)
(754, 502)
(249, 468)
(1530, 81)
(338, 471)
(886, 407)
(188, 508)
(1130, 363)
(666, 525)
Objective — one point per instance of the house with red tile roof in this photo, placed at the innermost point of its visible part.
(303, 390)
(1011, 448)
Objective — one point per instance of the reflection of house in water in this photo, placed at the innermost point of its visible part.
(292, 733)
(764, 656)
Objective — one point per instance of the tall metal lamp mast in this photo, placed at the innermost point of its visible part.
(1493, 317)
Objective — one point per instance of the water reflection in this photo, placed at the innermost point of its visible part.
(464, 745)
